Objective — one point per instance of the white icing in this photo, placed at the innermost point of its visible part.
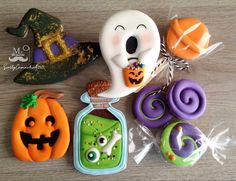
(108, 148)
(104, 139)
(115, 53)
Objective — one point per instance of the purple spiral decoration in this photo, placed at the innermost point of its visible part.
(192, 141)
(186, 99)
(150, 109)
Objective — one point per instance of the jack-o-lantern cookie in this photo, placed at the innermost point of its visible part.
(40, 129)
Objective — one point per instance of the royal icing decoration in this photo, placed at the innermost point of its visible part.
(130, 45)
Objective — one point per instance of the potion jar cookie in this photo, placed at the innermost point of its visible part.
(100, 136)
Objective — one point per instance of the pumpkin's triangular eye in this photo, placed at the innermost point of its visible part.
(29, 100)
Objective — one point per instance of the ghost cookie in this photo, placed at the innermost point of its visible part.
(130, 45)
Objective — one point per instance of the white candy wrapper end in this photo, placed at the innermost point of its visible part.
(219, 142)
(141, 140)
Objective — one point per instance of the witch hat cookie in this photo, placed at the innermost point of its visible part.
(58, 55)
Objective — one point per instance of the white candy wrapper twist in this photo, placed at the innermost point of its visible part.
(218, 142)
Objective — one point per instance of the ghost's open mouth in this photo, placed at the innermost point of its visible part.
(27, 139)
(135, 81)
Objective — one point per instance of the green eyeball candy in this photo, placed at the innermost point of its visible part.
(93, 155)
(102, 140)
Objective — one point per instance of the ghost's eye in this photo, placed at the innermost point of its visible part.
(119, 26)
(93, 155)
(141, 26)
(102, 140)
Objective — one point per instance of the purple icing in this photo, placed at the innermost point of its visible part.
(190, 144)
(151, 110)
(70, 41)
(55, 49)
(186, 99)
(39, 55)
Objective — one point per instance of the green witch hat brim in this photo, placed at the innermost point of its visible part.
(46, 73)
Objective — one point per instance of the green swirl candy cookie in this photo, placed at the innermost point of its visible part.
(182, 144)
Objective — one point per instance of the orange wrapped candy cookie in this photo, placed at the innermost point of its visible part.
(187, 38)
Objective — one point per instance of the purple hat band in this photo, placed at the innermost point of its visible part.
(40, 56)
(151, 109)
(186, 99)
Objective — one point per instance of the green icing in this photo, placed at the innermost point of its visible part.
(151, 105)
(166, 148)
(91, 128)
(29, 100)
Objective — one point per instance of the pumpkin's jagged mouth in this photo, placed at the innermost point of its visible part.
(27, 139)
(135, 81)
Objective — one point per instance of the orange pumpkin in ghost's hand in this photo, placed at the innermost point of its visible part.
(134, 75)
(40, 129)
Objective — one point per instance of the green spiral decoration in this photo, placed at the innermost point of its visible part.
(190, 133)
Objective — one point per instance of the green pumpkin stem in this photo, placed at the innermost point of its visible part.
(29, 100)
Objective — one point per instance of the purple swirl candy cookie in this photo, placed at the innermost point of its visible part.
(150, 109)
(186, 99)
(182, 143)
